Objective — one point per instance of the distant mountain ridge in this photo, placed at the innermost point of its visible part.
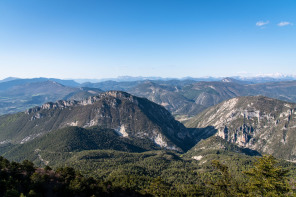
(14, 82)
(191, 98)
(245, 79)
(19, 95)
(183, 98)
(8, 79)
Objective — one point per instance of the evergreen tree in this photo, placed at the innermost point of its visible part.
(267, 178)
(225, 186)
(158, 188)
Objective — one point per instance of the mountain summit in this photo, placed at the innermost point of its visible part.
(128, 115)
(256, 122)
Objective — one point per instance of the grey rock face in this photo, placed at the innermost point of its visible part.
(259, 123)
(130, 116)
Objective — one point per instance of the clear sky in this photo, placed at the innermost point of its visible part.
(167, 38)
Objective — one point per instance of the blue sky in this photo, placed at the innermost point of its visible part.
(167, 38)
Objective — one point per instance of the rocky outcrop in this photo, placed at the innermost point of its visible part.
(89, 101)
(259, 123)
(130, 116)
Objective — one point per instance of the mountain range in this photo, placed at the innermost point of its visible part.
(251, 79)
(21, 94)
(186, 98)
(255, 123)
(83, 125)
(183, 98)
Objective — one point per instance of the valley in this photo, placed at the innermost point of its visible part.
(134, 131)
(147, 98)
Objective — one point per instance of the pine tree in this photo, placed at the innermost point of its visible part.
(267, 178)
(226, 185)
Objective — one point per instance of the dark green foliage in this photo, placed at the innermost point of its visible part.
(47, 168)
(223, 185)
(12, 193)
(70, 140)
(268, 179)
(16, 181)
(28, 167)
(158, 187)
(264, 178)
(216, 143)
(226, 184)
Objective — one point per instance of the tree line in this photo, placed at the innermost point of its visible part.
(264, 178)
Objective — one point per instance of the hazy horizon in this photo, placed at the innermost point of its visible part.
(272, 75)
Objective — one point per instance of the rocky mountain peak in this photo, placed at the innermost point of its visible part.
(89, 101)
(257, 122)
(118, 95)
(227, 80)
(129, 116)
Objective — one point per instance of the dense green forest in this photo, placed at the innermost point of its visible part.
(264, 177)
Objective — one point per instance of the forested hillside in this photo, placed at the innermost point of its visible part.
(262, 178)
